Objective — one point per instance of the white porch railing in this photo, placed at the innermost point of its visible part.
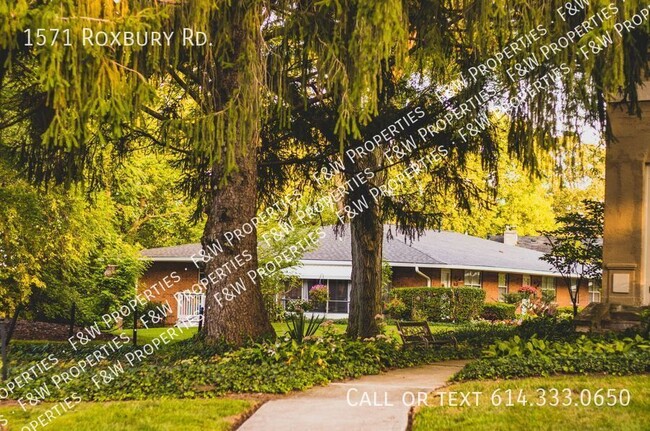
(189, 307)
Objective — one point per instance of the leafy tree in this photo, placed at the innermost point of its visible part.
(202, 102)
(576, 248)
(150, 209)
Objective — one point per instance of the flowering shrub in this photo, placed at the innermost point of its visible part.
(318, 295)
(530, 291)
(396, 309)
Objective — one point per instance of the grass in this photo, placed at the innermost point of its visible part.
(159, 415)
(146, 335)
(485, 416)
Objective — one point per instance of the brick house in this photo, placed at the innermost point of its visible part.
(437, 258)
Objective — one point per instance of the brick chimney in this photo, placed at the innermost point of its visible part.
(510, 237)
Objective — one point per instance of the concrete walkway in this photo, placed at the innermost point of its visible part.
(376, 403)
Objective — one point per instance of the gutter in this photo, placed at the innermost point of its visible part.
(417, 270)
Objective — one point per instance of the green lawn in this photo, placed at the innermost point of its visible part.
(158, 415)
(485, 416)
(146, 335)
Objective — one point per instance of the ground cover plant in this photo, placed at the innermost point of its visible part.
(191, 368)
(592, 415)
(521, 357)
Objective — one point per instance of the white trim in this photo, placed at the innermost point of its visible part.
(442, 265)
(393, 264)
(168, 259)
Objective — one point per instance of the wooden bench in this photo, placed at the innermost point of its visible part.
(419, 334)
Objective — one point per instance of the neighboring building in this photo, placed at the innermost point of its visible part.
(435, 259)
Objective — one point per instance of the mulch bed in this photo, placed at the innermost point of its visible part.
(28, 330)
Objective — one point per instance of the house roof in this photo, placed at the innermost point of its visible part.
(438, 249)
(177, 252)
(432, 249)
(537, 243)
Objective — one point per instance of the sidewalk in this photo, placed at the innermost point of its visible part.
(378, 403)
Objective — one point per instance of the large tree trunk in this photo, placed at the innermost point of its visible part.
(367, 234)
(234, 310)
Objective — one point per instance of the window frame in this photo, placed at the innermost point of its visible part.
(501, 287)
(594, 288)
(442, 278)
(543, 286)
(477, 274)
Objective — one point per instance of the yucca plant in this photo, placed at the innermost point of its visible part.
(299, 327)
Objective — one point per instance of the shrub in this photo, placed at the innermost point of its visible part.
(396, 309)
(440, 304)
(513, 298)
(498, 311)
(544, 327)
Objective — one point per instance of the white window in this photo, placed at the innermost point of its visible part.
(472, 279)
(445, 277)
(338, 295)
(594, 291)
(525, 280)
(503, 285)
(548, 287)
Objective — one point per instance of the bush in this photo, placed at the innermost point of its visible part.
(519, 357)
(441, 304)
(396, 309)
(156, 308)
(549, 328)
(498, 311)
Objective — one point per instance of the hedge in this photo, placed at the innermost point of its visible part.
(498, 311)
(441, 304)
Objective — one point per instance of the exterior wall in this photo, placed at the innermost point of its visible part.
(490, 283)
(402, 277)
(625, 238)
(156, 273)
(407, 277)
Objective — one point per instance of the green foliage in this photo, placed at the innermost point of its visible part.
(150, 208)
(513, 297)
(498, 311)
(520, 357)
(190, 369)
(396, 309)
(318, 295)
(576, 247)
(440, 304)
(143, 310)
(299, 327)
(55, 249)
(549, 328)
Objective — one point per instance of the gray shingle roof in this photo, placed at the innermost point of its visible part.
(339, 248)
(439, 248)
(180, 251)
(537, 243)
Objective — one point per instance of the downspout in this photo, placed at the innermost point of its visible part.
(417, 270)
